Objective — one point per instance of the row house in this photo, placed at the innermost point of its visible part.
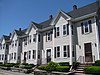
(68, 37)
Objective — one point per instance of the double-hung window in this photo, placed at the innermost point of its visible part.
(34, 54)
(57, 31)
(49, 36)
(86, 27)
(34, 37)
(66, 51)
(15, 56)
(29, 54)
(58, 51)
(66, 29)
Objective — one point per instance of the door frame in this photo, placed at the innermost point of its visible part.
(48, 50)
(87, 52)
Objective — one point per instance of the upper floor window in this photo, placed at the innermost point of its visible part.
(3, 46)
(15, 42)
(12, 43)
(39, 38)
(34, 37)
(30, 39)
(57, 31)
(66, 29)
(86, 27)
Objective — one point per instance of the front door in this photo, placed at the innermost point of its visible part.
(48, 55)
(88, 52)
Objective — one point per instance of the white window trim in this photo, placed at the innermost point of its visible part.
(84, 27)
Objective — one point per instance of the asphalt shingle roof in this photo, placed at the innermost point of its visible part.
(6, 37)
(90, 8)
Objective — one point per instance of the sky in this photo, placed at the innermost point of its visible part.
(15, 14)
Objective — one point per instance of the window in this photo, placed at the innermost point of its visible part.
(86, 27)
(29, 54)
(34, 37)
(34, 54)
(48, 35)
(3, 46)
(54, 52)
(2, 56)
(58, 32)
(15, 42)
(72, 29)
(39, 38)
(12, 43)
(64, 29)
(14, 55)
(58, 51)
(30, 39)
(64, 51)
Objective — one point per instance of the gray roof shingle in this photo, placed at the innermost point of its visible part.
(90, 8)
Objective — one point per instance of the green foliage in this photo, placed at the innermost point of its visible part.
(2, 64)
(42, 67)
(92, 70)
(17, 66)
(64, 63)
(75, 65)
(24, 63)
(51, 66)
(9, 65)
(62, 68)
(97, 63)
(27, 67)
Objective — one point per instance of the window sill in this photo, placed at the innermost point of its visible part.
(86, 33)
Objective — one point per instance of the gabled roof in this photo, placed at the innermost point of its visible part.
(20, 33)
(46, 23)
(90, 8)
(5, 37)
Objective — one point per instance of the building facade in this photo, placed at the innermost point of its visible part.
(68, 37)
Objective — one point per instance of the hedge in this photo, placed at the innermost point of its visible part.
(62, 68)
(64, 63)
(42, 67)
(92, 70)
(97, 63)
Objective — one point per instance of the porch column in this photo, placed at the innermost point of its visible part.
(70, 38)
(37, 48)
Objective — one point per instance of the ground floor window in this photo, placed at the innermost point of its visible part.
(14, 55)
(66, 51)
(2, 56)
(57, 52)
(34, 54)
(29, 54)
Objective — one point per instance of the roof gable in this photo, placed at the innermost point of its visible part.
(60, 13)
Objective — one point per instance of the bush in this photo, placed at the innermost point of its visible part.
(24, 63)
(92, 70)
(9, 65)
(62, 68)
(42, 67)
(17, 66)
(51, 66)
(27, 67)
(32, 65)
(64, 63)
(2, 64)
(97, 63)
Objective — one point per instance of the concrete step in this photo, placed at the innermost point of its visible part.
(79, 71)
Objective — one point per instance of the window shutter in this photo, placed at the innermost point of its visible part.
(68, 50)
(67, 29)
(90, 26)
(46, 37)
(55, 32)
(51, 35)
(54, 52)
(82, 30)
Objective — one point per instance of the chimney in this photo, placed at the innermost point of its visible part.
(50, 17)
(10, 34)
(74, 7)
(19, 29)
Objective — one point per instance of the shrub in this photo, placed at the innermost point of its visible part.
(75, 65)
(42, 67)
(2, 64)
(27, 67)
(64, 63)
(17, 66)
(62, 68)
(32, 65)
(9, 65)
(21, 66)
(24, 63)
(92, 70)
(97, 63)
(51, 66)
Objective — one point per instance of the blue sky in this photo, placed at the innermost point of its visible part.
(16, 14)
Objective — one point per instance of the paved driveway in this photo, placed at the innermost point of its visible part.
(4, 72)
